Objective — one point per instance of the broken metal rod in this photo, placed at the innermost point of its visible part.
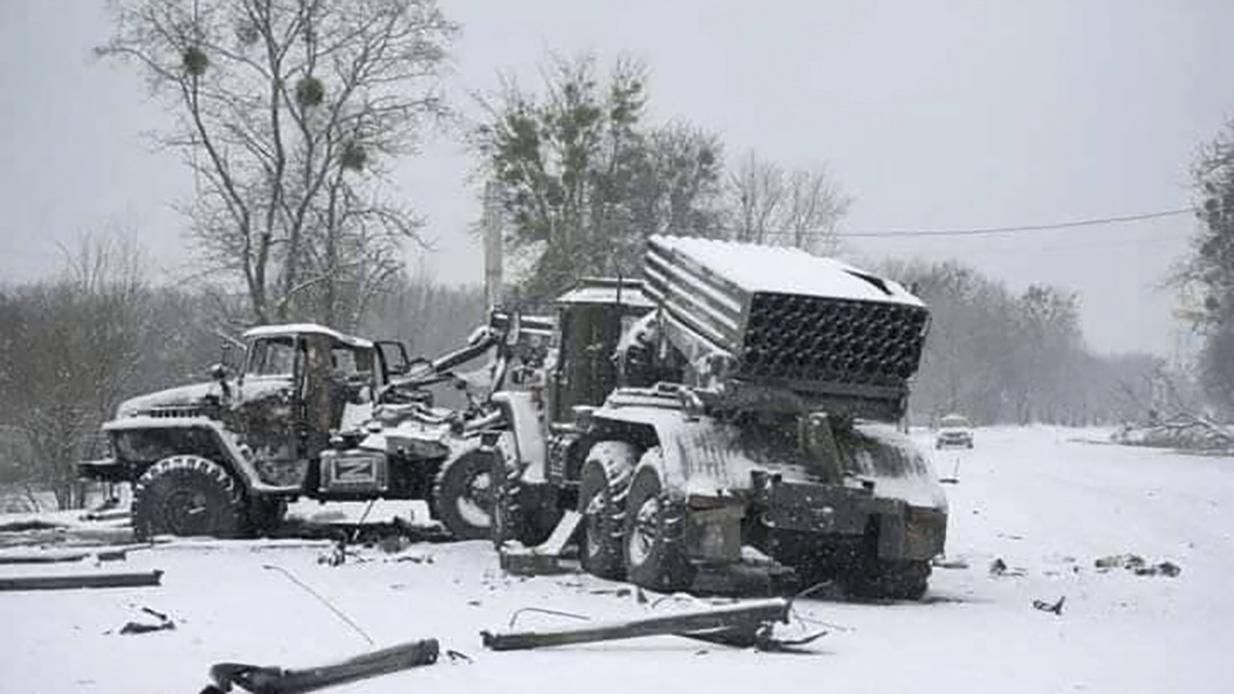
(43, 557)
(72, 581)
(276, 680)
(118, 552)
(728, 620)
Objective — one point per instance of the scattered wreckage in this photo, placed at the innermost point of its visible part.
(739, 625)
(266, 679)
(744, 625)
(84, 580)
(1182, 431)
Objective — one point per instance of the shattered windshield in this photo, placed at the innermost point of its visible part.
(351, 361)
(274, 356)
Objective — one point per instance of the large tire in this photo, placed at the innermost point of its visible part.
(188, 495)
(523, 513)
(602, 493)
(655, 530)
(464, 496)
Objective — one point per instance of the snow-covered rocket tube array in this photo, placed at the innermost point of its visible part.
(785, 318)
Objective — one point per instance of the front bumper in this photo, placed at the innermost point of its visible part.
(954, 440)
(905, 532)
(915, 533)
(106, 470)
(832, 514)
(814, 508)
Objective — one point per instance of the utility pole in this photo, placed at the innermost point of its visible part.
(493, 257)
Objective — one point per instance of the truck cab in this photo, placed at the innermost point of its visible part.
(592, 317)
(222, 457)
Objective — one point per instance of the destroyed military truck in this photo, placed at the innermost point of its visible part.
(223, 458)
(737, 406)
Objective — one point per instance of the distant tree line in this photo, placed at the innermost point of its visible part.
(999, 356)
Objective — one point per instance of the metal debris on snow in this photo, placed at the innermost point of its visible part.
(162, 623)
(998, 567)
(74, 581)
(1055, 607)
(746, 625)
(1137, 565)
(267, 679)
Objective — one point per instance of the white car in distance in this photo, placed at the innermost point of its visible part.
(954, 431)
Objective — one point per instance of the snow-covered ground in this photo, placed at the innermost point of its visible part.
(1036, 498)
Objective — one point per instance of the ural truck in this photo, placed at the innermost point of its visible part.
(224, 457)
(737, 406)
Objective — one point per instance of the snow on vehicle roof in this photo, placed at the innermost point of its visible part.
(780, 269)
(301, 328)
(606, 291)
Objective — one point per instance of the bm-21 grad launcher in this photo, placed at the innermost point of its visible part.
(751, 395)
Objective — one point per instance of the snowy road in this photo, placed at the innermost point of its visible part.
(1034, 498)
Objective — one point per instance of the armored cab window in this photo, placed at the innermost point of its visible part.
(353, 362)
(345, 361)
(354, 371)
(274, 356)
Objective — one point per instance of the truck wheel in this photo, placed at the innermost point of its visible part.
(655, 530)
(521, 512)
(895, 580)
(463, 496)
(602, 503)
(187, 495)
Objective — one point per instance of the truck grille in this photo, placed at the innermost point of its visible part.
(173, 412)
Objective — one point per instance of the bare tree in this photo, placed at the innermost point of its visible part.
(757, 191)
(73, 345)
(288, 112)
(813, 206)
(797, 208)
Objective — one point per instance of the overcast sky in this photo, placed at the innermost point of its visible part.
(932, 115)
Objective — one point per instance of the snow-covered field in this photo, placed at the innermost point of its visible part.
(1039, 500)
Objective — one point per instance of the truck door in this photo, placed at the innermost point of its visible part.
(585, 372)
(267, 402)
(394, 359)
(319, 395)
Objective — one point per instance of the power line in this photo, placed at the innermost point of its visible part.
(1072, 248)
(989, 231)
(981, 231)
